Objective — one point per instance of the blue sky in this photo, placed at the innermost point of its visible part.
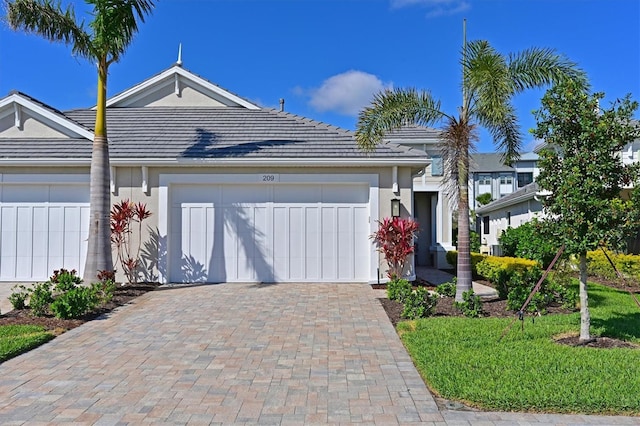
(327, 57)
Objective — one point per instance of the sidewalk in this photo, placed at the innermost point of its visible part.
(437, 277)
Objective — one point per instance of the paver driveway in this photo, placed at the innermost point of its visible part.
(235, 353)
(290, 353)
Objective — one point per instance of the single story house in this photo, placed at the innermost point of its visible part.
(238, 193)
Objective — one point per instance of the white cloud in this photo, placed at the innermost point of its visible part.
(435, 7)
(345, 93)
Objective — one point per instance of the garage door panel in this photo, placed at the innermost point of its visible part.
(268, 233)
(362, 243)
(55, 221)
(312, 243)
(345, 242)
(345, 194)
(37, 238)
(40, 246)
(72, 234)
(238, 194)
(296, 270)
(62, 194)
(297, 194)
(25, 193)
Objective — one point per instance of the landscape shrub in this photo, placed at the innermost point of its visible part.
(75, 302)
(63, 295)
(484, 199)
(521, 283)
(65, 280)
(452, 259)
(40, 298)
(499, 270)
(471, 305)
(105, 290)
(398, 289)
(18, 297)
(447, 289)
(528, 242)
(419, 303)
(599, 266)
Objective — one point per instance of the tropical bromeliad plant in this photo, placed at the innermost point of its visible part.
(490, 80)
(394, 239)
(112, 28)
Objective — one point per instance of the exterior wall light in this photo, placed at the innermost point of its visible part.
(395, 207)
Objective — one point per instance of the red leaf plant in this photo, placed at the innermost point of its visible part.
(394, 239)
(123, 217)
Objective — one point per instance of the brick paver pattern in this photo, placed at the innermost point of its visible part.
(234, 354)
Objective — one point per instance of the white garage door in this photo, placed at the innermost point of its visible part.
(42, 228)
(269, 233)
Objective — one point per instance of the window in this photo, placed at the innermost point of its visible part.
(436, 166)
(506, 180)
(484, 179)
(524, 179)
(485, 225)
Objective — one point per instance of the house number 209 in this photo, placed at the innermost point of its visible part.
(268, 178)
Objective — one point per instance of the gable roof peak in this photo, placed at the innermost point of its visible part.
(54, 118)
(177, 77)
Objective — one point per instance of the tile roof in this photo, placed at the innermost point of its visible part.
(488, 162)
(225, 132)
(25, 148)
(525, 193)
(413, 132)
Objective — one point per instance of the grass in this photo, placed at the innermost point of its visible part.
(17, 339)
(461, 359)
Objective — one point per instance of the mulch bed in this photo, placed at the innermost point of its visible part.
(123, 294)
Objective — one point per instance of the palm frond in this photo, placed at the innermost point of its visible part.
(392, 109)
(47, 19)
(487, 81)
(115, 25)
(506, 134)
(538, 67)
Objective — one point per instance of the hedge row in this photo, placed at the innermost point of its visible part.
(599, 266)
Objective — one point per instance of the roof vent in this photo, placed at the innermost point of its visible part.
(281, 104)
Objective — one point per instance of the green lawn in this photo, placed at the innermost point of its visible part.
(462, 359)
(17, 339)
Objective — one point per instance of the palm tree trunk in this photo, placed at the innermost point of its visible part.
(463, 272)
(99, 256)
(585, 316)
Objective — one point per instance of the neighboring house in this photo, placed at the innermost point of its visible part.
(489, 175)
(238, 193)
(512, 211)
(523, 205)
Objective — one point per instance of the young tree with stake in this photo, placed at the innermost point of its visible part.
(591, 203)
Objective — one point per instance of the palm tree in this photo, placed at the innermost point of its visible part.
(111, 31)
(490, 81)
